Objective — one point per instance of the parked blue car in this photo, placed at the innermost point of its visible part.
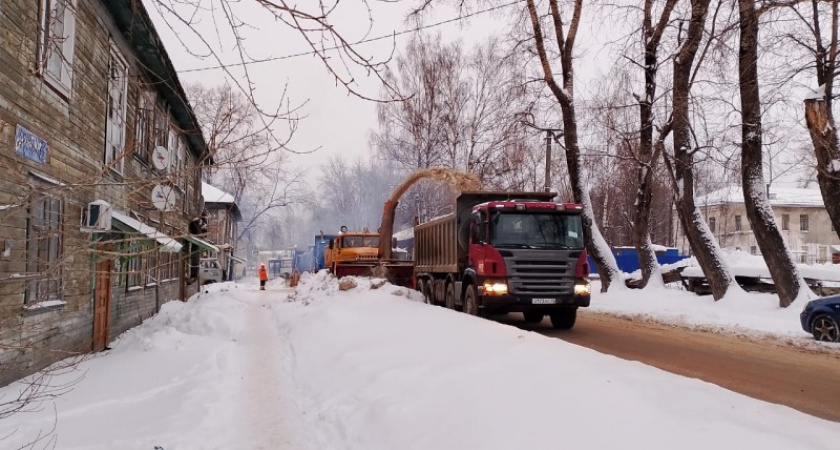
(821, 318)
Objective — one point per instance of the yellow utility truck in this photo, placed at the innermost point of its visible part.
(352, 253)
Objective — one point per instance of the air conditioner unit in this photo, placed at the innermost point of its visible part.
(96, 217)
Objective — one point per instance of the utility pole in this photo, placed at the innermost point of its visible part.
(548, 160)
(549, 136)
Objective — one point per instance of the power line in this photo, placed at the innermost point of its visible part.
(363, 41)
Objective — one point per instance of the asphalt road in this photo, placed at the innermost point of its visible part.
(767, 370)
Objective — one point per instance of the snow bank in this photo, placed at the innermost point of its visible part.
(374, 368)
(375, 372)
(738, 312)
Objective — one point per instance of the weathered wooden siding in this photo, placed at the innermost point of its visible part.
(75, 130)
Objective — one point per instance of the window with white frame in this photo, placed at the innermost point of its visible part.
(183, 174)
(143, 130)
(115, 123)
(803, 222)
(58, 35)
(161, 132)
(176, 165)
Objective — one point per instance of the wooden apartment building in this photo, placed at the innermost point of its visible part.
(100, 169)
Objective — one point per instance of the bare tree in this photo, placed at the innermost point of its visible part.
(789, 283)
(565, 41)
(216, 31)
(646, 157)
(819, 114)
(681, 164)
(463, 113)
(244, 143)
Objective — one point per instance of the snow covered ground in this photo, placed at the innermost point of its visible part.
(739, 312)
(376, 369)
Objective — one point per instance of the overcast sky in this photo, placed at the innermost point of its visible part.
(335, 122)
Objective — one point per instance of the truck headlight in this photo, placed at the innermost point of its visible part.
(582, 289)
(495, 288)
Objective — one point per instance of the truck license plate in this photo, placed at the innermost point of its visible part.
(543, 301)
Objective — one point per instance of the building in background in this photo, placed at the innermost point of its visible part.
(222, 215)
(800, 215)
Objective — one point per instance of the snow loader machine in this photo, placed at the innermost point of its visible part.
(354, 253)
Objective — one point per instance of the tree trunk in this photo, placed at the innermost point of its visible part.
(646, 158)
(702, 242)
(644, 196)
(596, 246)
(823, 131)
(759, 213)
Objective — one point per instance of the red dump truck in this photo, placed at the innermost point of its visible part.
(501, 252)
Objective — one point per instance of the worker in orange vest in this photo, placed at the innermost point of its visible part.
(263, 276)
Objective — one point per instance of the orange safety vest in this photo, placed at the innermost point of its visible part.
(263, 274)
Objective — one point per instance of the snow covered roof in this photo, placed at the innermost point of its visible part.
(213, 194)
(169, 244)
(779, 196)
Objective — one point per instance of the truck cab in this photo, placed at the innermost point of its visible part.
(529, 257)
(502, 252)
(351, 247)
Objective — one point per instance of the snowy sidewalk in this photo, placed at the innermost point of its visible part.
(207, 374)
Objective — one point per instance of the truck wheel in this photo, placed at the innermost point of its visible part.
(564, 320)
(450, 296)
(533, 317)
(471, 301)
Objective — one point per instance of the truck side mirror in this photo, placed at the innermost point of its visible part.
(331, 243)
(393, 242)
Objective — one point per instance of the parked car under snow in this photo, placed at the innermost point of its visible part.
(821, 318)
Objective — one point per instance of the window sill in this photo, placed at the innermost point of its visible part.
(114, 172)
(42, 307)
(142, 160)
(57, 86)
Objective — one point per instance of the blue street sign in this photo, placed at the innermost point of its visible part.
(30, 146)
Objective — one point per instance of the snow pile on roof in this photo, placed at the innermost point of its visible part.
(779, 196)
(169, 244)
(213, 194)
(407, 233)
(655, 247)
(747, 265)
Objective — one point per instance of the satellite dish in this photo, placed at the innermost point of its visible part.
(163, 197)
(161, 158)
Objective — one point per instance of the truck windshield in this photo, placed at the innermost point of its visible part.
(536, 230)
(360, 241)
